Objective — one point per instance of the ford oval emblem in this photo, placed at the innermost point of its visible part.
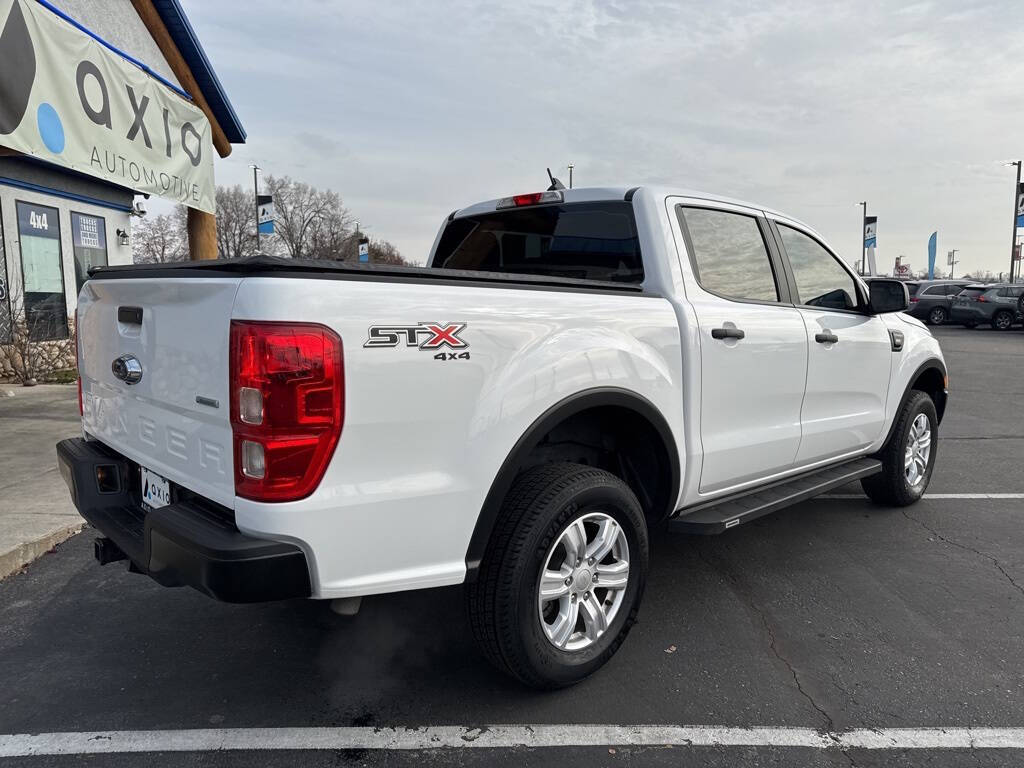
(128, 369)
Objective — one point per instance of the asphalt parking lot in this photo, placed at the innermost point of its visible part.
(831, 616)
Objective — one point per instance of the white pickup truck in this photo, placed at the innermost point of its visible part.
(574, 370)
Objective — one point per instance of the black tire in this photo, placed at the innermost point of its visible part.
(890, 487)
(937, 316)
(502, 603)
(1002, 320)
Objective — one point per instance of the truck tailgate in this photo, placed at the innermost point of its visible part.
(176, 419)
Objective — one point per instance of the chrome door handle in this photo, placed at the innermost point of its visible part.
(727, 333)
(826, 338)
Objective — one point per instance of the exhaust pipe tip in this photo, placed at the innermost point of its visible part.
(346, 606)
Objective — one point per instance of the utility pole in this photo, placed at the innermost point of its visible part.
(571, 166)
(256, 201)
(1013, 230)
(863, 228)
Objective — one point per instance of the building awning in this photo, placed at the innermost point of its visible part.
(185, 38)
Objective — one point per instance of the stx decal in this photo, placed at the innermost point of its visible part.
(425, 336)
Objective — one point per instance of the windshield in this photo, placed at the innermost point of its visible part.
(590, 241)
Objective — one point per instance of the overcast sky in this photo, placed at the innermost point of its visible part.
(412, 109)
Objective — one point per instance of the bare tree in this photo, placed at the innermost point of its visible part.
(41, 346)
(236, 223)
(309, 223)
(160, 239)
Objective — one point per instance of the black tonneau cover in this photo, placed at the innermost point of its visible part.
(274, 266)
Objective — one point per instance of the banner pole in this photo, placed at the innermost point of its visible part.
(863, 237)
(256, 203)
(1013, 230)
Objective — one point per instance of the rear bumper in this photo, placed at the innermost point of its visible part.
(191, 541)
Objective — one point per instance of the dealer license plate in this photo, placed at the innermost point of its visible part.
(156, 490)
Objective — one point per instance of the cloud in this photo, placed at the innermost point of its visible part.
(412, 109)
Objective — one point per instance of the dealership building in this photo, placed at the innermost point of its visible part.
(103, 103)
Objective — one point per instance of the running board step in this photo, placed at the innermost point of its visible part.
(729, 511)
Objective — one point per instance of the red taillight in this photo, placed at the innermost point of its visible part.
(533, 198)
(913, 299)
(287, 407)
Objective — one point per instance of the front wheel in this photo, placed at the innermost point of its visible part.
(937, 316)
(561, 581)
(909, 456)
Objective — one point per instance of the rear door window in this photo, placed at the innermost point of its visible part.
(589, 241)
(730, 258)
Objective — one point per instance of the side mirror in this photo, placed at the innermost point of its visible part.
(887, 296)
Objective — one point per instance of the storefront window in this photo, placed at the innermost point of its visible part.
(43, 279)
(5, 293)
(89, 238)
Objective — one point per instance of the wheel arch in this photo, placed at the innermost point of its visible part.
(597, 403)
(930, 378)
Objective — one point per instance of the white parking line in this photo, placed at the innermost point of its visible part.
(501, 736)
(933, 496)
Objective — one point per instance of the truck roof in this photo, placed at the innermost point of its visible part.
(589, 194)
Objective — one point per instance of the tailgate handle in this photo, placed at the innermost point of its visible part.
(129, 315)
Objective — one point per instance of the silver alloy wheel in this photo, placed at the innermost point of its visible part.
(1003, 321)
(919, 450)
(583, 581)
(938, 316)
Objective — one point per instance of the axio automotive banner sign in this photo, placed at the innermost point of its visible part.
(1020, 206)
(67, 99)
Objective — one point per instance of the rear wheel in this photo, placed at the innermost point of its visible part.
(1002, 320)
(908, 457)
(561, 581)
(937, 316)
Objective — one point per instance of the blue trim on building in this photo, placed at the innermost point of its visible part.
(18, 184)
(57, 11)
(185, 39)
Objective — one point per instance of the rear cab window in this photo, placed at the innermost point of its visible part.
(588, 241)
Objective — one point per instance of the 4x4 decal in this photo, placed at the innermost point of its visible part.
(426, 336)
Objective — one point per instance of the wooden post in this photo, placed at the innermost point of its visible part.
(202, 235)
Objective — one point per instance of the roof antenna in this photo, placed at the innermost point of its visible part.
(555, 183)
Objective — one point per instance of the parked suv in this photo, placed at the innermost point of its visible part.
(932, 300)
(998, 305)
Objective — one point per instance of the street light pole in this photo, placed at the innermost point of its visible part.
(256, 202)
(863, 228)
(1013, 229)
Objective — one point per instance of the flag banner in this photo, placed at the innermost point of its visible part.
(870, 228)
(950, 255)
(68, 100)
(872, 267)
(364, 250)
(932, 244)
(265, 221)
(1020, 205)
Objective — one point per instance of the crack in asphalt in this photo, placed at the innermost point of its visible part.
(829, 730)
(979, 553)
